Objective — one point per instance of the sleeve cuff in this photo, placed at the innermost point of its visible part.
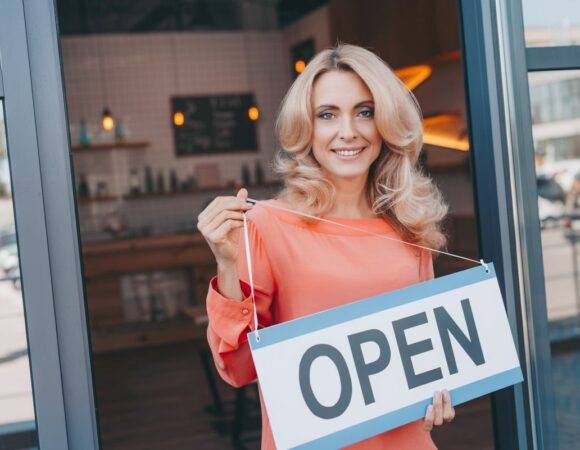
(230, 319)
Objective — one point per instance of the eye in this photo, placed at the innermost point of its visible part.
(326, 115)
(367, 113)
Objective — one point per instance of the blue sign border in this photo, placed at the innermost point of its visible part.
(334, 316)
(394, 419)
(372, 427)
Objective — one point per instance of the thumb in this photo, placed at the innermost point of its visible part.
(242, 194)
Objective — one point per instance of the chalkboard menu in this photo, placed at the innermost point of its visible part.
(216, 124)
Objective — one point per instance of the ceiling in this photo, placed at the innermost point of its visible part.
(135, 16)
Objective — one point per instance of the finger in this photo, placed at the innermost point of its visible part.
(231, 203)
(224, 229)
(448, 411)
(220, 203)
(242, 194)
(451, 415)
(221, 218)
(438, 407)
(429, 416)
(207, 208)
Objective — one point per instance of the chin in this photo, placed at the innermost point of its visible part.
(348, 172)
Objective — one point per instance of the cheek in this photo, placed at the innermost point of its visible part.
(323, 135)
(371, 133)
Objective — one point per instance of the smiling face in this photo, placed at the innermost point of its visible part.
(345, 139)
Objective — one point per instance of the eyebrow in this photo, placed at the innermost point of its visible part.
(359, 104)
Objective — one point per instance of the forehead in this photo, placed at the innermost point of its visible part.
(339, 88)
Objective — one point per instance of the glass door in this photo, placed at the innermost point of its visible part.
(143, 175)
(113, 274)
(552, 36)
(539, 63)
(36, 408)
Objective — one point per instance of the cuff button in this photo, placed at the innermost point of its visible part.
(245, 311)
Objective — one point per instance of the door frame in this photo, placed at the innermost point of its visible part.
(524, 60)
(47, 226)
(49, 237)
(31, 227)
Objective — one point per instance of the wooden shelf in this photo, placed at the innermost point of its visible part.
(217, 190)
(112, 146)
(105, 198)
(222, 189)
(144, 334)
(162, 242)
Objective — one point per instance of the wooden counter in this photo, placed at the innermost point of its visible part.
(144, 253)
(105, 262)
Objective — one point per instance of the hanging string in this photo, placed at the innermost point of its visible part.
(249, 263)
(321, 219)
(249, 200)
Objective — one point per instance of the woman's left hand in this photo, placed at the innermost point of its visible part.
(439, 411)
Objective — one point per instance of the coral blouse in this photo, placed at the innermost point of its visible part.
(300, 269)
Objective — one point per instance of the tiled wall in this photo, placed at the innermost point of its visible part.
(140, 72)
(135, 76)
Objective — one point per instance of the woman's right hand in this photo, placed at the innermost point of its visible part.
(219, 223)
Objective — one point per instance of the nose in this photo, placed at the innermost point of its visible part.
(347, 131)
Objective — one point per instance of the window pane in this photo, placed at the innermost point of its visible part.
(17, 425)
(551, 22)
(556, 129)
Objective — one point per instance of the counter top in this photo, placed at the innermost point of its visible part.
(145, 253)
(154, 241)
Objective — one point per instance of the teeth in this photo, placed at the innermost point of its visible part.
(348, 152)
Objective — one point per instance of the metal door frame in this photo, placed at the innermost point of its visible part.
(46, 215)
(31, 222)
(47, 226)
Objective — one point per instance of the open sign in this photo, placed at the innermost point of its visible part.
(339, 376)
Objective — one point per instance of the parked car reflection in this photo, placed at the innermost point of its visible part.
(551, 200)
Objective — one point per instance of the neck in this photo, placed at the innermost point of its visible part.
(350, 200)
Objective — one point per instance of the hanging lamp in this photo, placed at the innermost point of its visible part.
(107, 120)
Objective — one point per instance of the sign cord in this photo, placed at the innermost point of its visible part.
(381, 236)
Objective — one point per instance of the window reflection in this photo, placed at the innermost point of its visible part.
(17, 426)
(551, 22)
(556, 129)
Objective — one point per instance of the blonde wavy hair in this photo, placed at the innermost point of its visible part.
(396, 188)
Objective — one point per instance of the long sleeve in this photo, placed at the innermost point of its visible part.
(231, 320)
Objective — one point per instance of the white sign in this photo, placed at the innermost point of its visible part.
(346, 374)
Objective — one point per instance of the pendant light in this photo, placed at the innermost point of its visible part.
(299, 66)
(107, 120)
(253, 110)
(178, 116)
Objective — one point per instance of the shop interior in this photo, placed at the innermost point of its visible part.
(171, 104)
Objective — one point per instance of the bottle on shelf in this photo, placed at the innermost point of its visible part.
(84, 139)
(134, 183)
(83, 187)
(258, 173)
(149, 184)
(119, 133)
(246, 179)
(160, 183)
(193, 182)
(173, 181)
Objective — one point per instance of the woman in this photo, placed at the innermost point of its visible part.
(351, 134)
